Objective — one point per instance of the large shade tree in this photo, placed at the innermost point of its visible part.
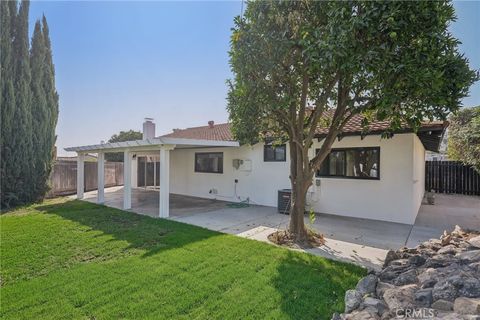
(464, 137)
(299, 65)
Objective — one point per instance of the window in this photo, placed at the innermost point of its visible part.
(355, 163)
(274, 153)
(211, 162)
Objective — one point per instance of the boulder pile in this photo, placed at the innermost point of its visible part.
(439, 279)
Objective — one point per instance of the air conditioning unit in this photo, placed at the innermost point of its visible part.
(284, 201)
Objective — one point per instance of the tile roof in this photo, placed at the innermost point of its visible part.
(221, 132)
(355, 126)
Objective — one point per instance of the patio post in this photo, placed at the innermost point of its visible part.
(127, 178)
(101, 178)
(164, 202)
(80, 175)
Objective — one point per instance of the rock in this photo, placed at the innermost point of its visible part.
(352, 300)
(469, 256)
(446, 238)
(367, 285)
(417, 260)
(443, 305)
(476, 268)
(428, 277)
(407, 277)
(450, 249)
(391, 255)
(470, 287)
(467, 306)
(439, 279)
(399, 262)
(458, 231)
(374, 304)
(382, 286)
(475, 242)
(400, 297)
(424, 297)
(366, 314)
(387, 276)
(449, 316)
(336, 316)
(438, 261)
(444, 290)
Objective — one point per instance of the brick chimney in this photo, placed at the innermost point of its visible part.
(210, 124)
(148, 129)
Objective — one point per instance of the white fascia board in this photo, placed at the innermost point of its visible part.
(200, 142)
(155, 142)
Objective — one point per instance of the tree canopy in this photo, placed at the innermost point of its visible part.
(299, 65)
(129, 135)
(29, 106)
(464, 137)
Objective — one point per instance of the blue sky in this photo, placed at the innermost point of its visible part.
(118, 62)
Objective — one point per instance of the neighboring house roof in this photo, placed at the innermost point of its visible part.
(430, 133)
(219, 132)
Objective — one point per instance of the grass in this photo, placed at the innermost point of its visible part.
(77, 260)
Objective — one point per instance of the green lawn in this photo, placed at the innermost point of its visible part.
(72, 259)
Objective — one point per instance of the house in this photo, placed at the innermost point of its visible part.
(364, 176)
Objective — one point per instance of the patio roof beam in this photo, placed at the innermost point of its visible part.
(151, 144)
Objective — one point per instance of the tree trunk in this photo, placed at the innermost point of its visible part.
(300, 185)
(297, 212)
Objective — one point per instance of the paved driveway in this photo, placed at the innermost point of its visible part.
(448, 211)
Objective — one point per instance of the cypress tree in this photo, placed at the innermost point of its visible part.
(22, 122)
(39, 113)
(28, 104)
(8, 11)
(52, 104)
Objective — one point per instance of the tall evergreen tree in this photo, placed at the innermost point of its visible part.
(21, 152)
(29, 106)
(39, 113)
(52, 104)
(8, 11)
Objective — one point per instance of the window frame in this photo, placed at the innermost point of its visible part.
(318, 175)
(206, 171)
(267, 145)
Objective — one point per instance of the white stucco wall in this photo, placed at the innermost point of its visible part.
(260, 184)
(395, 197)
(419, 154)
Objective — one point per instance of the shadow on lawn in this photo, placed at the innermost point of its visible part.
(140, 232)
(312, 287)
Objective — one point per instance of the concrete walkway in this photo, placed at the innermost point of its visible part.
(448, 211)
(361, 241)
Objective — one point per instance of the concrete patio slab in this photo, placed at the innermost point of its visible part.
(361, 241)
(366, 256)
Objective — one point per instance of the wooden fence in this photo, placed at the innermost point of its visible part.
(63, 179)
(451, 177)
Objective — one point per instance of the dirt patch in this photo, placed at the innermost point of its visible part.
(285, 238)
